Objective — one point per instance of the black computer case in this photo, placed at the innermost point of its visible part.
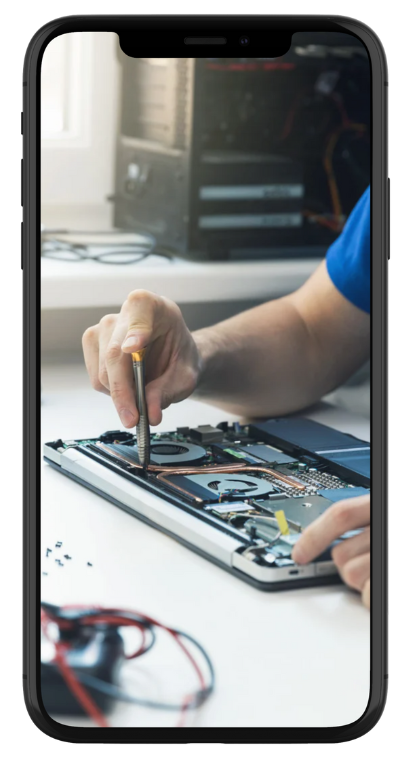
(245, 158)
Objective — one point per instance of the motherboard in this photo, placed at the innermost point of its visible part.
(262, 482)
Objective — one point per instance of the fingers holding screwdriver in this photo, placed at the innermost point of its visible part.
(171, 366)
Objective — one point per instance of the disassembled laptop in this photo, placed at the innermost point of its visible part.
(239, 495)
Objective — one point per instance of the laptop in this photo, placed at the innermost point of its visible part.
(238, 495)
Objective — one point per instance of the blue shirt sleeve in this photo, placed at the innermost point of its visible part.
(348, 258)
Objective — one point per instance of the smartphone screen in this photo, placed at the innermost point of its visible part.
(205, 449)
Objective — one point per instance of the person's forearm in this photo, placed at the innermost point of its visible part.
(283, 355)
(259, 362)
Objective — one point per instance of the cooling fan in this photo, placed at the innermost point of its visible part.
(163, 452)
(216, 486)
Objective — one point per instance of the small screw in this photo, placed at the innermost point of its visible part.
(48, 551)
(67, 557)
(57, 561)
(44, 573)
(58, 544)
(91, 564)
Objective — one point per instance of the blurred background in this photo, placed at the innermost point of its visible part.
(217, 182)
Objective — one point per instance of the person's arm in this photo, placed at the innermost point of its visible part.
(273, 359)
(285, 354)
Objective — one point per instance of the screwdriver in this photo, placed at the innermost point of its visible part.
(143, 427)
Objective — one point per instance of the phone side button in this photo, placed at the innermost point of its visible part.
(20, 191)
(22, 244)
(20, 260)
(390, 220)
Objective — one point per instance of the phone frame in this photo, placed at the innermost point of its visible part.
(31, 243)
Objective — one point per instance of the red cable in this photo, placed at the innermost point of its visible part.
(124, 621)
(176, 637)
(337, 100)
(184, 709)
(190, 657)
(142, 648)
(112, 620)
(289, 121)
(121, 622)
(174, 634)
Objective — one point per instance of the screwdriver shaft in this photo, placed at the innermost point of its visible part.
(143, 428)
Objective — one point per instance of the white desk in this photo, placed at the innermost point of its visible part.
(66, 285)
(298, 658)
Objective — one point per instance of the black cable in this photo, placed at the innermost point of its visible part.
(79, 616)
(56, 243)
(101, 259)
(81, 249)
(211, 685)
(103, 232)
(57, 231)
(117, 693)
(142, 651)
(150, 626)
(135, 253)
(55, 249)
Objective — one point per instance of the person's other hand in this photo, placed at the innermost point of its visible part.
(351, 556)
(172, 360)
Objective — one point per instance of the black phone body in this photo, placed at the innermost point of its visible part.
(170, 33)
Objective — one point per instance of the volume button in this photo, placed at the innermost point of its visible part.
(22, 244)
(20, 259)
(20, 190)
(390, 219)
(22, 183)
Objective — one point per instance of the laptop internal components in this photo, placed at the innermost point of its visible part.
(240, 495)
(162, 452)
(299, 512)
(218, 487)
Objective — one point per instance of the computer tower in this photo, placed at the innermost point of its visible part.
(245, 158)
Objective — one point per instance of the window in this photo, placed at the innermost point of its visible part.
(53, 78)
(66, 89)
(79, 77)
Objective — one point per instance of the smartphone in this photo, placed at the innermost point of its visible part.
(204, 248)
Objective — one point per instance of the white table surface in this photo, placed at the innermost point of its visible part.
(296, 658)
(66, 285)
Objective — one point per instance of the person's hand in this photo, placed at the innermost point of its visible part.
(172, 360)
(351, 556)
